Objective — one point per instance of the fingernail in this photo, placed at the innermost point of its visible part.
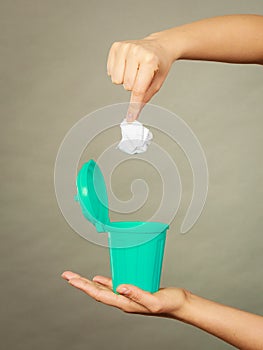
(124, 290)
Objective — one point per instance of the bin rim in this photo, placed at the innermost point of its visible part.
(135, 227)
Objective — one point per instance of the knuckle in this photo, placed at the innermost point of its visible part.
(151, 58)
(121, 46)
(125, 45)
(116, 44)
(138, 92)
(136, 49)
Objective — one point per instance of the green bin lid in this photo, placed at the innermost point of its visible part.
(92, 194)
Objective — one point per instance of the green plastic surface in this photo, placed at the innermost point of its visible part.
(92, 194)
(140, 265)
(136, 248)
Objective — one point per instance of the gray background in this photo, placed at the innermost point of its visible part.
(53, 72)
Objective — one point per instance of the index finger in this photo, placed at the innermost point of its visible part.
(143, 80)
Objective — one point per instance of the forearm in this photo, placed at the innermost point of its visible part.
(239, 328)
(232, 39)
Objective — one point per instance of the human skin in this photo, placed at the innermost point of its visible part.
(141, 66)
(238, 328)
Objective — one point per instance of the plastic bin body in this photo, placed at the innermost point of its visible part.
(140, 265)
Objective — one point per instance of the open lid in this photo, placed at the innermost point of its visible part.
(92, 194)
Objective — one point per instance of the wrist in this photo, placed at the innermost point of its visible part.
(184, 311)
(173, 41)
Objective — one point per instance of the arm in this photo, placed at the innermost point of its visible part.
(231, 39)
(236, 327)
(142, 65)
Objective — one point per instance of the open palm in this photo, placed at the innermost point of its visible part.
(166, 302)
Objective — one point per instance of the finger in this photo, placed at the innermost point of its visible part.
(139, 296)
(143, 80)
(106, 296)
(111, 57)
(154, 87)
(94, 290)
(67, 275)
(131, 70)
(106, 281)
(134, 109)
(118, 68)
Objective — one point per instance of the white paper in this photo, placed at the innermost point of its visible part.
(135, 137)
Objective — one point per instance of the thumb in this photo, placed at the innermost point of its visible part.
(138, 295)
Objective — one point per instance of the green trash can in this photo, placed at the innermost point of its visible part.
(136, 248)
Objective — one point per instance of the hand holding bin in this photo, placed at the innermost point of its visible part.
(136, 248)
